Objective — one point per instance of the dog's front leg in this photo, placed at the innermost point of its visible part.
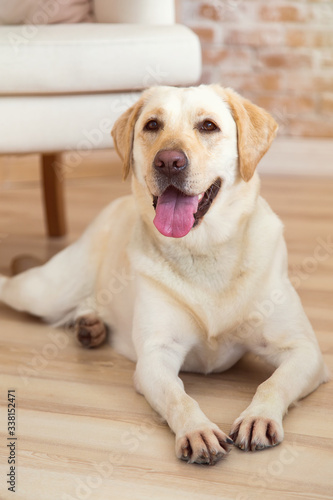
(300, 370)
(163, 335)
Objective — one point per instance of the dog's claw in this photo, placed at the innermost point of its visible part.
(256, 433)
(206, 446)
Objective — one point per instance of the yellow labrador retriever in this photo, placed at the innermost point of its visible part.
(190, 272)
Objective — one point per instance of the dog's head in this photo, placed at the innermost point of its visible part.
(183, 144)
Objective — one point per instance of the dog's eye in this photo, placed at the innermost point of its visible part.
(152, 126)
(208, 126)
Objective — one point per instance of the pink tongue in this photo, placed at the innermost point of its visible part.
(174, 213)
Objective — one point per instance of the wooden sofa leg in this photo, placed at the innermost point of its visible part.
(53, 192)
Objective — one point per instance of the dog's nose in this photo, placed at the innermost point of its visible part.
(170, 161)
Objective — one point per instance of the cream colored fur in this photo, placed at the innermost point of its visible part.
(197, 303)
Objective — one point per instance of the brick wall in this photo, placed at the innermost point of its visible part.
(277, 53)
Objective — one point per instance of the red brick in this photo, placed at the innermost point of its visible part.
(252, 82)
(225, 11)
(324, 82)
(255, 37)
(309, 37)
(214, 55)
(283, 13)
(293, 104)
(266, 81)
(326, 58)
(326, 103)
(296, 38)
(285, 59)
(308, 81)
(299, 81)
(209, 11)
(228, 57)
(322, 38)
(204, 33)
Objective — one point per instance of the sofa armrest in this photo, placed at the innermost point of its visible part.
(135, 11)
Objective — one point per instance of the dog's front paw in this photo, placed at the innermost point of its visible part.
(90, 330)
(251, 433)
(206, 445)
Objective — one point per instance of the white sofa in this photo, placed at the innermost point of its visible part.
(62, 86)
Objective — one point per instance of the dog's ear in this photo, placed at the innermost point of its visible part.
(256, 130)
(123, 135)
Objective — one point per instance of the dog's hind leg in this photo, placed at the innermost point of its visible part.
(55, 290)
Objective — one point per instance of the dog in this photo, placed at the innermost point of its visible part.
(190, 271)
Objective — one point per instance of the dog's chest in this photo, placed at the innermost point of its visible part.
(215, 356)
(210, 287)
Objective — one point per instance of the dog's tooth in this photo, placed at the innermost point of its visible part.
(201, 196)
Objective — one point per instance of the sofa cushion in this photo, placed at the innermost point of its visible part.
(45, 11)
(96, 57)
(78, 123)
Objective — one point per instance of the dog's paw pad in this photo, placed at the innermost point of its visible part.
(90, 331)
(206, 446)
(256, 433)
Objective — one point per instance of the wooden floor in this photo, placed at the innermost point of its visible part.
(83, 432)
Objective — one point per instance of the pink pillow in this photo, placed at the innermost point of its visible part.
(45, 11)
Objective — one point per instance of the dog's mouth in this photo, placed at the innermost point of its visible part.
(177, 212)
